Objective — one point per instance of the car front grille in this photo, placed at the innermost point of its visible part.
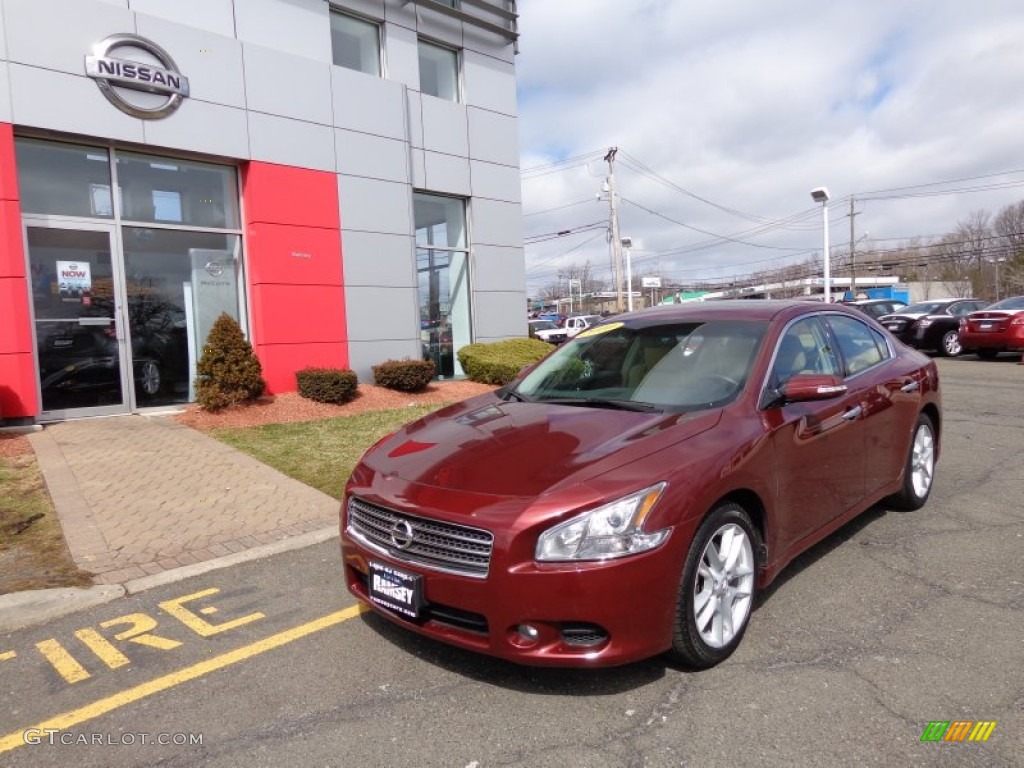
(432, 544)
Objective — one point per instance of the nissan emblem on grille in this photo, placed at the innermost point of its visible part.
(401, 534)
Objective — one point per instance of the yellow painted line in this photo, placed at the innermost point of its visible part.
(131, 695)
(8, 655)
(62, 661)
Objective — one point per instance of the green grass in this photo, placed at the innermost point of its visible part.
(319, 453)
(33, 553)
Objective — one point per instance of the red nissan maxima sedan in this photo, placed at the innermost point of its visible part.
(629, 494)
(997, 328)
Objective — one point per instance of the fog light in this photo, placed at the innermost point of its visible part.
(529, 633)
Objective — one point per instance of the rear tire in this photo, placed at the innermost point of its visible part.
(716, 592)
(950, 345)
(919, 469)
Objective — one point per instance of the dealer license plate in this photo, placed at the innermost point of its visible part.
(396, 590)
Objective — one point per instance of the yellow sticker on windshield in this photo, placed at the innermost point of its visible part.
(598, 329)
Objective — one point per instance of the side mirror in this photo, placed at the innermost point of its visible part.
(805, 387)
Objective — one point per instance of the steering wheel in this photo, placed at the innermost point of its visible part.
(718, 384)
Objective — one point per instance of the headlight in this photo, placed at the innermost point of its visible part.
(613, 530)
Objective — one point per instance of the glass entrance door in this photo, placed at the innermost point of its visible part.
(80, 347)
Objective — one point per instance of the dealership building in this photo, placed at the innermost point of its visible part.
(340, 177)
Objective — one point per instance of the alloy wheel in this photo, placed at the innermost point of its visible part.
(723, 586)
(951, 344)
(922, 462)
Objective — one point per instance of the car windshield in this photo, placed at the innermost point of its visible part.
(1014, 302)
(922, 308)
(542, 325)
(671, 366)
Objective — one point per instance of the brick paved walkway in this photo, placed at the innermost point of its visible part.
(137, 495)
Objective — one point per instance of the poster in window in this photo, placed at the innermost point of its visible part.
(74, 281)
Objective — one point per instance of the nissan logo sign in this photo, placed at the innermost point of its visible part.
(401, 534)
(129, 62)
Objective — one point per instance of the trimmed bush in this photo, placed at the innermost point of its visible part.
(498, 362)
(327, 385)
(228, 372)
(404, 375)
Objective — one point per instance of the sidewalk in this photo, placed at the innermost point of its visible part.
(140, 495)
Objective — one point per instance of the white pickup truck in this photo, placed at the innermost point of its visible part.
(577, 323)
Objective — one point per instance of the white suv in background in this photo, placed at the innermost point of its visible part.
(577, 323)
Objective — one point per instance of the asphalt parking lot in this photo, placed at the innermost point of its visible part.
(899, 620)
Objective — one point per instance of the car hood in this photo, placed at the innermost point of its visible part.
(489, 446)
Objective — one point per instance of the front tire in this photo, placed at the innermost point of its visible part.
(950, 345)
(716, 593)
(919, 470)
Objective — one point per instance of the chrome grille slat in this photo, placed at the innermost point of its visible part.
(440, 546)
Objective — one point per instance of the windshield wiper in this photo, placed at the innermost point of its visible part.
(511, 394)
(594, 402)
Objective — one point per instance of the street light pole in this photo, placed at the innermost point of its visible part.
(627, 246)
(820, 195)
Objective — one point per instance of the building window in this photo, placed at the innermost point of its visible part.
(442, 266)
(439, 71)
(355, 43)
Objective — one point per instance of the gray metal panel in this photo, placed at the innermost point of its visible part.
(190, 129)
(497, 223)
(493, 137)
(212, 62)
(360, 154)
(5, 93)
(487, 43)
(415, 114)
(363, 355)
(59, 34)
(288, 86)
(497, 268)
(121, 3)
(73, 103)
(301, 27)
(401, 49)
(369, 205)
(499, 315)
(216, 16)
(495, 182)
(276, 139)
(382, 314)
(3, 36)
(368, 104)
(400, 12)
(441, 29)
(373, 260)
(447, 174)
(419, 168)
(490, 84)
(444, 126)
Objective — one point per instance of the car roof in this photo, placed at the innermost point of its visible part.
(730, 309)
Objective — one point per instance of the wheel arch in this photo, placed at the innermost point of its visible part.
(752, 504)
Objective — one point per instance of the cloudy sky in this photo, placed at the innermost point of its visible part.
(726, 114)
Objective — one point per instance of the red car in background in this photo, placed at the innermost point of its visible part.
(997, 328)
(632, 491)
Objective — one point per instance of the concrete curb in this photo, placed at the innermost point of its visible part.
(24, 609)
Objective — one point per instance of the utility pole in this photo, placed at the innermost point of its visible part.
(853, 257)
(616, 240)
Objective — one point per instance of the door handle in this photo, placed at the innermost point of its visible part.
(853, 413)
(911, 386)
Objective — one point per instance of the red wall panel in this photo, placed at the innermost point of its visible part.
(294, 270)
(281, 194)
(8, 166)
(297, 314)
(288, 254)
(17, 362)
(18, 386)
(281, 361)
(12, 255)
(14, 336)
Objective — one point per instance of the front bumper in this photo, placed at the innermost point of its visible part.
(579, 614)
